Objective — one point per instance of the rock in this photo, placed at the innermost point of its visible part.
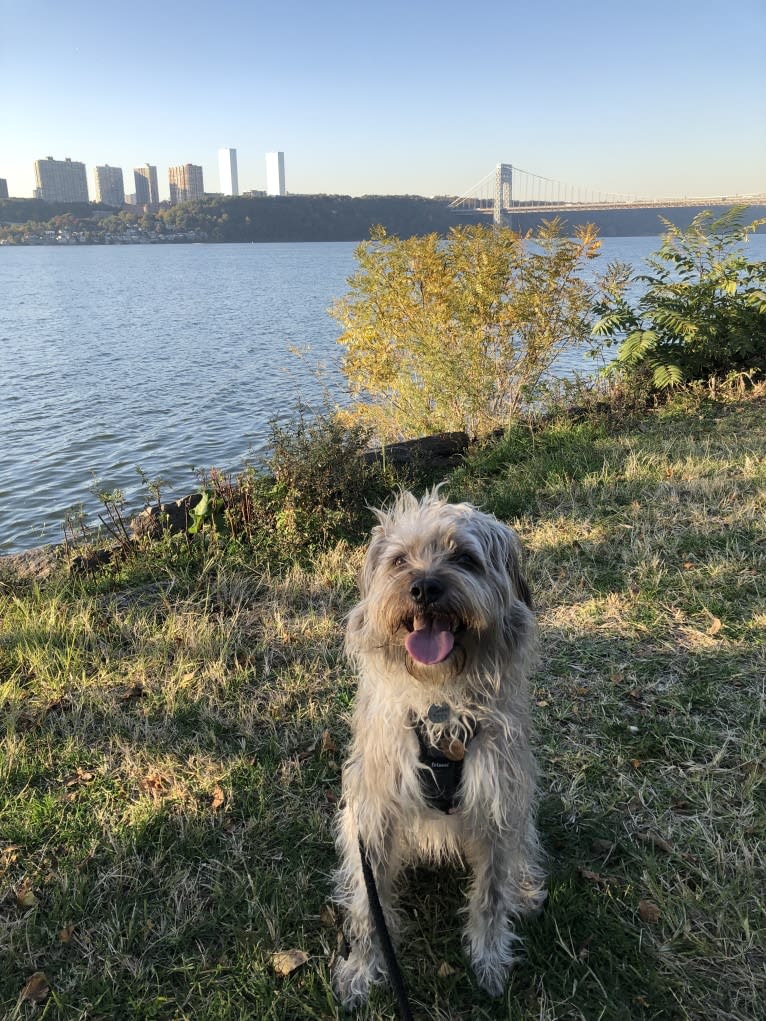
(442, 450)
(37, 564)
(172, 517)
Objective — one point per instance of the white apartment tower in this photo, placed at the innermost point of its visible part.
(275, 173)
(185, 183)
(110, 187)
(147, 191)
(227, 171)
(61, 180)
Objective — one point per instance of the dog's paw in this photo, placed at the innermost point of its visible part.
(492, 960)
(352, 979)
(492, 976)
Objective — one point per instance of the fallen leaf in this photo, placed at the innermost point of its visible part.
(445, 970)
(688, 565)
(330, 796)
(681, 805)
(328, 745)
(715, 626)
(65, 934)
(36, 990)
(328, 916)
(25, 898)
(542, 703)
(284, 962)
(584, 951)
(59, 706)
(136, 690)
(635, 763)
(154, 783)
(649, 911)
(26, 720)
(655, 840)
(308, 752)
(601, 846)
(597, 877)
(218, 798)
(81, 776)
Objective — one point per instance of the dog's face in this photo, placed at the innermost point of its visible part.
(441, 589)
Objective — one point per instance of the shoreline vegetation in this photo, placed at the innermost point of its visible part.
(176, 714)
(292, 218)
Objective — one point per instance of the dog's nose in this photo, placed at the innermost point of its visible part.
(426, 589)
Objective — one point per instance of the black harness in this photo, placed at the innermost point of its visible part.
(440, 781)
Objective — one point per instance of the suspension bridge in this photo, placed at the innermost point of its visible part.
(507, 189)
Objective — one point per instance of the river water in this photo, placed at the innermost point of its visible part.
(171, 358)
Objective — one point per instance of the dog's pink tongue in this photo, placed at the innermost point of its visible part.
(431, 641)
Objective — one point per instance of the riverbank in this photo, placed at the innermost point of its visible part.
(308, 218)
(175, 725)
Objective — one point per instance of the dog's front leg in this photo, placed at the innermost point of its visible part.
(488, 935)
(365, 965)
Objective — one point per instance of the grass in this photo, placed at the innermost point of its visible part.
(173, 732)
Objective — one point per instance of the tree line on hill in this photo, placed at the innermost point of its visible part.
(260, 218)
(241, 219)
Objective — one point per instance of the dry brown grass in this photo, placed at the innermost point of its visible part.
(173, 737)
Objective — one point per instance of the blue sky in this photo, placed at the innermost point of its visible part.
(418, 97)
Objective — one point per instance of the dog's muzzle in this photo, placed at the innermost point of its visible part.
(431, 637)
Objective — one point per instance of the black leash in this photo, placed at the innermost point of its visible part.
(440, 785)
(392, 964)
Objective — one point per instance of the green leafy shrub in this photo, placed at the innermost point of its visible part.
(702, 312)
(318, 485)
(457, 334)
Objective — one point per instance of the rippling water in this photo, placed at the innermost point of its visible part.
(167, 357)
(164, 357)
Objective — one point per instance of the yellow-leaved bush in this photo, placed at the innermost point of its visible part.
(457, 333)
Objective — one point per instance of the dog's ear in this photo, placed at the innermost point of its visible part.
(371, 560)
(520, 584)
(511, 556)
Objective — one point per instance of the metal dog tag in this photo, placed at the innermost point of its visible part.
(438, 713)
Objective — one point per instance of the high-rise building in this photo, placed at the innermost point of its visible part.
(110, 188)
(227, 171)
(275, 173)
(61, 180)
(3, 188)
(147, 192)
(185, 183)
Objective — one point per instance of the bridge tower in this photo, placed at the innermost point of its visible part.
(503, 191)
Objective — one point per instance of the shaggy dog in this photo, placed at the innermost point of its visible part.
(440, 766)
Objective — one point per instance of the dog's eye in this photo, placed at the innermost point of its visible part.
(399, 561)
(466, 560)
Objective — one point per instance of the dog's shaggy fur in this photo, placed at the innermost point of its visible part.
(444, 619)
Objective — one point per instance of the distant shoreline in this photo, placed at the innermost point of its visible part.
(300, 218)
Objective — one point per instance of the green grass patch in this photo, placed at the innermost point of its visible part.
(173, 730)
